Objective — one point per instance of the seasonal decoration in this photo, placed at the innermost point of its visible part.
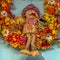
(29, 32)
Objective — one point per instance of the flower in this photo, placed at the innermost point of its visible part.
(49, 38)
(38, 44)
(3, 4)
(5, 32)
(54, 32)
(4, 13)
(7, 19)
(51, 11)
(51, 2)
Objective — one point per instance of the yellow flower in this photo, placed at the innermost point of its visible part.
(51, 26)
(7, 19)
(58, 8)
(58, 25)
(54, 32)
(12, 21)
(7, 23)
(46, 14)
(3, 31)
(3, 4)
(9, 1)
(20, 20)
(46, 17)
(18, 32)
(14, 45)
(49, 18)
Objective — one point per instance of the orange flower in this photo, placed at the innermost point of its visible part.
(5, 38)
(51, 11)
(2, 22)
(38, 45)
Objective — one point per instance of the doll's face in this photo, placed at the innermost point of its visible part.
(31, 14)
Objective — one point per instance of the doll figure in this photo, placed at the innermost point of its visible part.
(30, 29)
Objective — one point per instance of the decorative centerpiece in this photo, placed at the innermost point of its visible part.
(30, 32)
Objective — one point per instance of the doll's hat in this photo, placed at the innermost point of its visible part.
(30, 7)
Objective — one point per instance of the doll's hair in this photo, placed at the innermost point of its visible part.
(30, 7)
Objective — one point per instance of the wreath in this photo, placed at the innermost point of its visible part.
(11, 26)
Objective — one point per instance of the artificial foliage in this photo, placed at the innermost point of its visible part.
(29, 32)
